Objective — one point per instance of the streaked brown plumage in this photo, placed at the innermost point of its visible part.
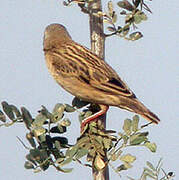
(86, 76)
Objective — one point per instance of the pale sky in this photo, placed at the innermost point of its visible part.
(149, 66)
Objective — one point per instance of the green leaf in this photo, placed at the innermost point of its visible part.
(98, 139)
(46, 113)
(135, 123)
(63, 140)
(91, 155)
(66, 161)
(57, 153)
(107, 143)
(43, 154)
(69, 108)
(127, 126)
(81, 152)
(28, 165)
(42, 139)
(37, 170)
(106, 21)
(139, 17)
(66, 170)
(88, 114)
(110, 8)
(121, 168)
(127, 165)
(159, 164)
(150, 166)
(39, 120)
(26, 116)
(151, 146)
(128, 158)
(93, 128)
(126, 29)
(57, 106)
(137, 139)
(124, 166)
(58, 129)
(81, 116)
(135, 36)
(125, 139)
(84, 115)
(65, 122)
(125, 5)
(114, 18)
(61, 128)
(150, 173)
(2, 117)
(143, 16)
(44, 163)
(38, 131)
(31, 140)
(47, 143)
(57, 145)
(30, 158)
(107, 134)
(99, 163)
(71, 151)
(16, 111)
(123, 12)
(143, 134)
(35, 153)
(40, 156)
(8, 110)
(116, 155)
(45, 166)
(58, 112)
(82, 141)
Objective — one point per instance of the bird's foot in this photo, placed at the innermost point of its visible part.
(94, 117)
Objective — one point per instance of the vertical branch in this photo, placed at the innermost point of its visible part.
(96, 29)
(98, 47)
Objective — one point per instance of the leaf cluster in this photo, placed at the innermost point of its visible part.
(133, 13)
(50, 148)
(131, 136)
(155, 172)
(46, 148)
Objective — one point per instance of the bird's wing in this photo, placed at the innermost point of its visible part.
(79, 62)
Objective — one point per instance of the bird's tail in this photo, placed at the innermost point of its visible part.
(134, 105)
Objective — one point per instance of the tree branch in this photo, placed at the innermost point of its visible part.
(98, 47)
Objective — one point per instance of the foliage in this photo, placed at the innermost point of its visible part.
(50, 148)
(133, 13)
(100, 147)
(156, 173)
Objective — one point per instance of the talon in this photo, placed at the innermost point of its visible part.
(94, 117)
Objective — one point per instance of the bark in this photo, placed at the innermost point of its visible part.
(98, 47)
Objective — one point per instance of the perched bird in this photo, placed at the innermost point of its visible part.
(83, 74)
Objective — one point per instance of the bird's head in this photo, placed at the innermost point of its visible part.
(55, 35)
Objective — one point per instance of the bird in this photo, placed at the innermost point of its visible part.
(88, 77)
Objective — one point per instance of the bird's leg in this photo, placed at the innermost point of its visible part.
(93, 117)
